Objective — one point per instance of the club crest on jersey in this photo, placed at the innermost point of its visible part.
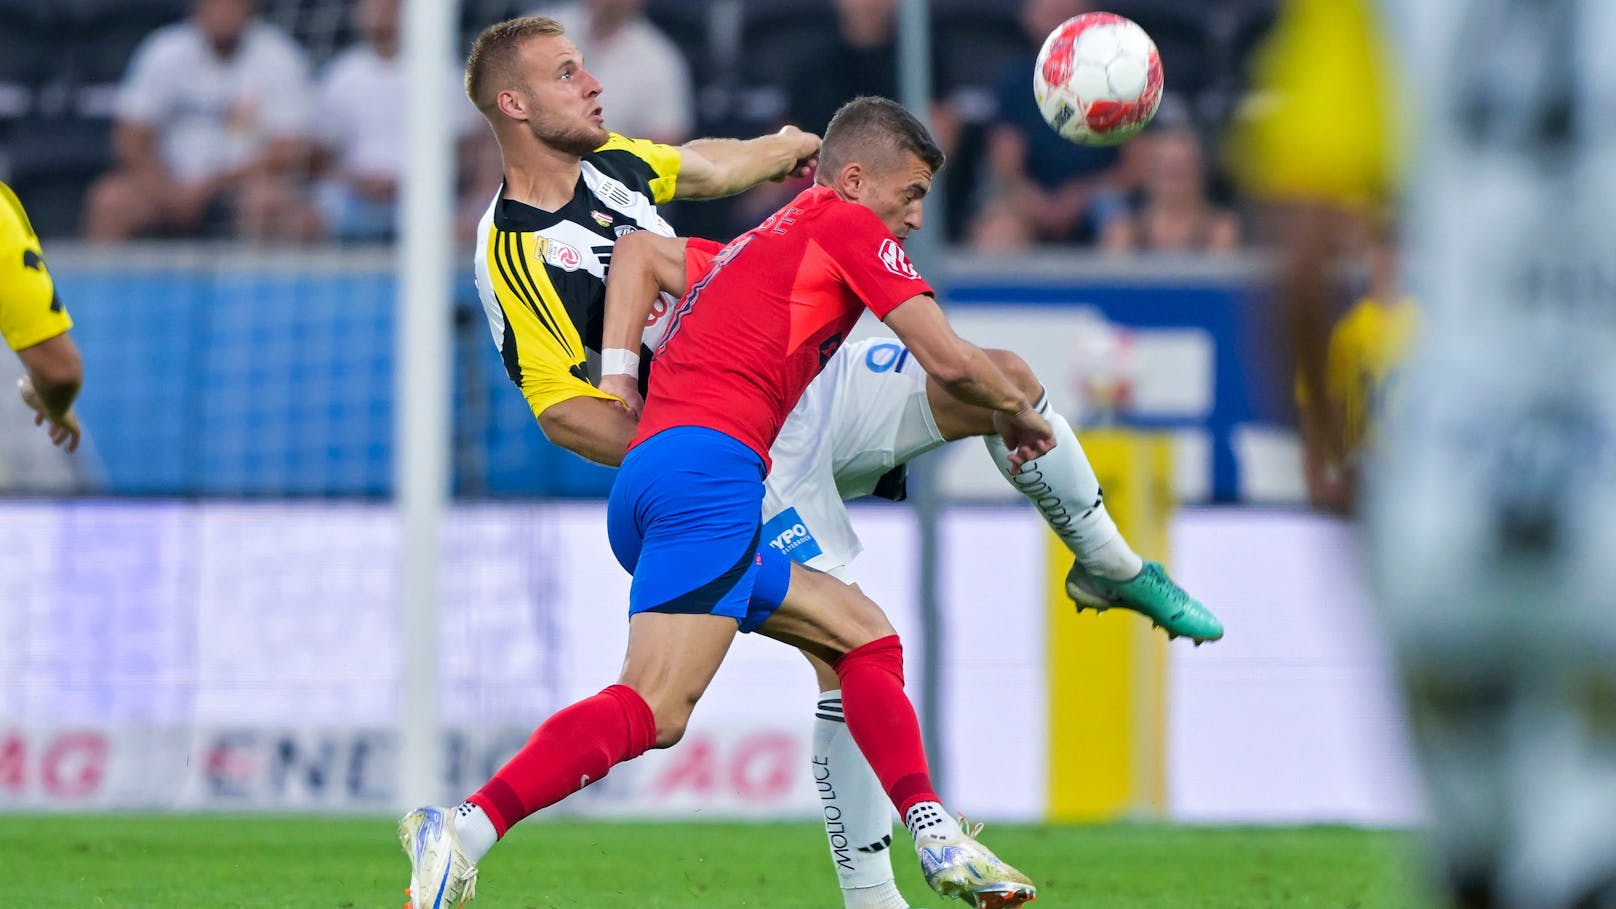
(559, 254)
(601, 218)
(896, 260)
(623, 230)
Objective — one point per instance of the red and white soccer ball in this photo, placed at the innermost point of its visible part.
(1099, 79)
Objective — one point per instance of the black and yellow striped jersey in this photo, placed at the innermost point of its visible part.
(30, 311)
(542, 274)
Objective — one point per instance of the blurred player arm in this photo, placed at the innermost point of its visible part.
(967, 373)
(644, 265)
(55, 374)
(713, 168)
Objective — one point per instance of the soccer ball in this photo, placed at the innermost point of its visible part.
(1098, 80)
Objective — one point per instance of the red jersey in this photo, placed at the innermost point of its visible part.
(751, 334)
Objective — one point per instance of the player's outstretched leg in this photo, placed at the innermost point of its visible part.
(1106, 573)
(836, 622)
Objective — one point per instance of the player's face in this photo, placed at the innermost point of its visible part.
(897, 194)
(567, 113)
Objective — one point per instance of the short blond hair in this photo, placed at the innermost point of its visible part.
(491, 68)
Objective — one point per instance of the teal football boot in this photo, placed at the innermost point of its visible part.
(1152, 594)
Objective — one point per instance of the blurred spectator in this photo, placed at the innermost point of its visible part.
(861, 58)
(1365, 347)
(829, 69)
(210, 133)
(1172, 212)
(648, 93)
(1040, 187)
(359, 124)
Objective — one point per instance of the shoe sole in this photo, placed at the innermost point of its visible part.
(1006, 898)
(1088, 599)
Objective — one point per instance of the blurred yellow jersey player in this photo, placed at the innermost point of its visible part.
(1488, 502)
(1365, 348)
(35, 325)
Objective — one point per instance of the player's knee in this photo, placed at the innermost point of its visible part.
(110, 207)
(671, 722)
(1017, 371)
(862, 621)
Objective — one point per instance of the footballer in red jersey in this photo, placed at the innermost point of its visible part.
(685, 511)
(769, 313)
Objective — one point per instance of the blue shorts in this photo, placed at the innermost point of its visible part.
(685, 518)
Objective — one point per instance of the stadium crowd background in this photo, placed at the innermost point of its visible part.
(317, 156)
(221, 227)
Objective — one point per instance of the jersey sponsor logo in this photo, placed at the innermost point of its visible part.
(788, 535)
(886, 358)
(562, 256)
(896, 260)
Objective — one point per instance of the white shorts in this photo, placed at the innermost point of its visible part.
(865, 414)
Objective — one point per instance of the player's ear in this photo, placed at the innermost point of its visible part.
(512, 104)
(851, 181)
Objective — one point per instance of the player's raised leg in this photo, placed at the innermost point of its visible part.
(1105, 570)
(837, 623)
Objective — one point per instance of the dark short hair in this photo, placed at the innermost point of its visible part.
(868, 128)
(491, 68)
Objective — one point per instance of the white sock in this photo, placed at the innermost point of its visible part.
(475, 830)
(928, 819)
(1063, 487)
(857, 813)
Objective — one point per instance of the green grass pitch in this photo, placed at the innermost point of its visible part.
(251, 862)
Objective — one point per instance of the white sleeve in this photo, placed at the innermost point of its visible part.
(147, 90)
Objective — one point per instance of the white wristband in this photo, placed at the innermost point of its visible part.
(615, 361)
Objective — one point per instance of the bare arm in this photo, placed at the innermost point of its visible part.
(55, 374)
(643, 265)
(967, 373)
(962, 368)
(712, 168)
(593, 428)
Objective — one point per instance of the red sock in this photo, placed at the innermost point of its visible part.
(573, 748)
(883, 722)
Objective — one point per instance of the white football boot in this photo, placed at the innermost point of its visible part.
(964, 869)
(441, 877)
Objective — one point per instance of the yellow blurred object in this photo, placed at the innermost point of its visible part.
(1107, 672)
(1322, 126)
